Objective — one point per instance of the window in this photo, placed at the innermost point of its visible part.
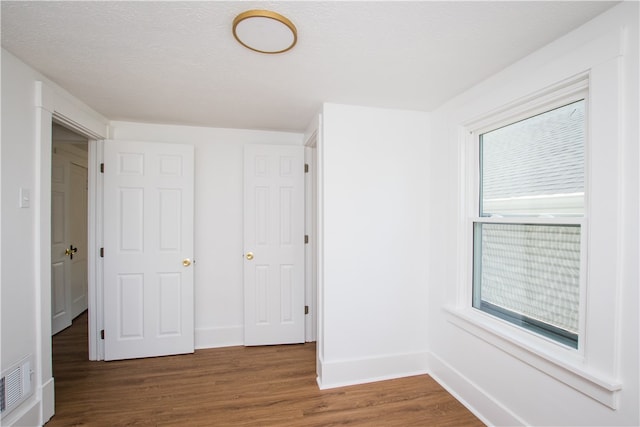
(528, 232)
(542, 222)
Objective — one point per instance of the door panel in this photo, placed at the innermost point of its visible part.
(78, 238)
(274, 235)
(60, 267)
(148, 228)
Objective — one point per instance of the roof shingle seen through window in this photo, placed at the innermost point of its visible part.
(541, 155)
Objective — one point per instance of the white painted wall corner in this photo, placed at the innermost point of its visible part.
(359, 371)
(228, 336)
(474, 398)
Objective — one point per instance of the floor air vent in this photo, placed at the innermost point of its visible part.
(15, 385)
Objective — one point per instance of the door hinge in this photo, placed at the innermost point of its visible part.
(102, 334)
(101, 167)
(306, 239)
(306, 168)
(101, 252)
(306, 309)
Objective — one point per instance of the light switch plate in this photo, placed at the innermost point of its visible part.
(25, 198)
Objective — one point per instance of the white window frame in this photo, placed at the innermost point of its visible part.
(589, 368)
(574, 92)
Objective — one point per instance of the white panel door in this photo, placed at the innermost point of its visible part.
(148, 249)
(273, 244)
(78, 238)
(60, 261)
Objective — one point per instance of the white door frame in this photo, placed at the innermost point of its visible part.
(313, 142)
(51, 104)
(311, 230)
(94, 262)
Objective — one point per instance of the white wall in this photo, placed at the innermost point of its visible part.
(28, 102)
(18, 284)
(389, 209)
(499, 385)
(218, 219)
(372, 179)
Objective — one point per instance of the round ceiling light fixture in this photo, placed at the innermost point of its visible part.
(265, 31)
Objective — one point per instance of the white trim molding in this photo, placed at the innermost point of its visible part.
(591, 383)
(359, 371)
(493, 413)
(52, 103)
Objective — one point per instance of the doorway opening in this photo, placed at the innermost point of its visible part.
(69, 226)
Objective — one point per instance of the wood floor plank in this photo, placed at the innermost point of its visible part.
(233, 386)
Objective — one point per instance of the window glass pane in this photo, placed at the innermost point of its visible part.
(529, 275)
(535, 166)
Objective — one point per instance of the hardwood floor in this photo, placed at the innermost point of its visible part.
(234, 386)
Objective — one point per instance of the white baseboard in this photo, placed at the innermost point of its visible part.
(219, 337)
(487, 409)
(27, 414)
(359, 371)
(48, 400)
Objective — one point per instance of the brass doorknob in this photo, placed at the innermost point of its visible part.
(70, 251)
(250, 256)
(186, 262)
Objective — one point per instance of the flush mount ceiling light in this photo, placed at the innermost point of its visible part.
(264, 31)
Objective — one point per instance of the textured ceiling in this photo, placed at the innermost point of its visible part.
(177, 62)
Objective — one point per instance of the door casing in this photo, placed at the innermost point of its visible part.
(54, 104)
(311, 230)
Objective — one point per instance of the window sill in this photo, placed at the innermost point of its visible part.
(581, 378)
